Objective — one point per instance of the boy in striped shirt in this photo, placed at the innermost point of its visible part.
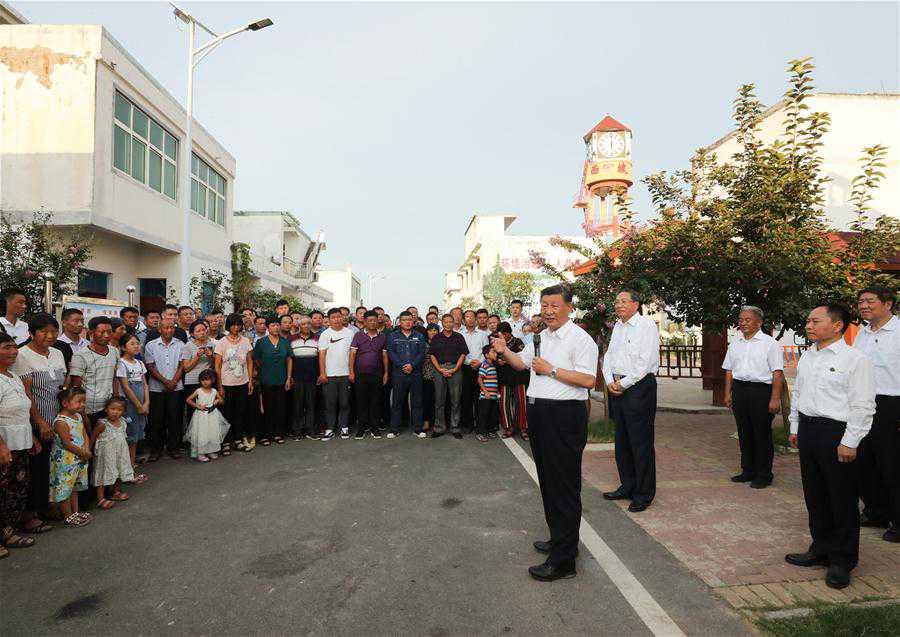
(489, 398)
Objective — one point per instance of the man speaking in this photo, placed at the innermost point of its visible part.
(563, 362)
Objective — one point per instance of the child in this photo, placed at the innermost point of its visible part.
(112, 462)
(131, 375)
(69, 457)
(489, 398)
(208, 428)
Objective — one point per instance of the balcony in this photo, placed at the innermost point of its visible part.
(297, 270)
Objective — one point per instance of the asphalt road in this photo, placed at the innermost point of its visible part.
(373, 537)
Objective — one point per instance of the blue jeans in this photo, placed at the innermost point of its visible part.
(404, 385)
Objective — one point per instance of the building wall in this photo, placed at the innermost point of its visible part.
(345, 287)
(857, 121)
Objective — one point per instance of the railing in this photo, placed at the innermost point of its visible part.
(679, 361)
(792, 355)
(290, 267)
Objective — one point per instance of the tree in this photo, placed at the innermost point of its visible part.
(468, 303)
(31, 248)
(243, 282)
(211, 290)
(501, 288)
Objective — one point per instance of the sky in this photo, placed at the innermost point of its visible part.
(390, 124)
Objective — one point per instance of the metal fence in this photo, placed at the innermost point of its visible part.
(679, 361)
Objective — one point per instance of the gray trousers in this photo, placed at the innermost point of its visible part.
(442, 388)
(337, 402)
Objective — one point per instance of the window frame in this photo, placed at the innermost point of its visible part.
(215, 201)
(145, 138)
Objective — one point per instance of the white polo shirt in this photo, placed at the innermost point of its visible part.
(754, 359)
(19, 331)
(568, 347)
(835, 382)
(633, 351)
(882, 347)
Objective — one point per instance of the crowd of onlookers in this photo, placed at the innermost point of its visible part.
(91, 405)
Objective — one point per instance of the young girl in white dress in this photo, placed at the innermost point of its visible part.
(112, 462)
(208, 428)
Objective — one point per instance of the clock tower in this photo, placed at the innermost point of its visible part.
(607, 170)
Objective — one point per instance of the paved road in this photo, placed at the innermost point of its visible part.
(371, 537)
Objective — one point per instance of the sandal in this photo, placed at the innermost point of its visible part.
(76, 520)
(524, 436)
(105, 504)
(13, 541)
(119, 496)
(264, 442)
(36, 529)
(3, 552)
(279, 440)
(140, 478)
(226, 451)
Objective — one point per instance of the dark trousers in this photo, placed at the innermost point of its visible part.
(337, 402)
(274, 411)
(288, 412)
(634, 413)
(305, 421)
(368, 401)
(830, 489)
(447, 393)
(558, 435)
(750, 405)
(428, 400)
(39, 482)
(320, 407)
(468, 400)
(407, 386)
(166, 412)
(386, 403)
(488, 415)
(234, 410)
(879, 463)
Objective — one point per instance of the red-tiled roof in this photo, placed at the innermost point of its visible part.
(607, 123)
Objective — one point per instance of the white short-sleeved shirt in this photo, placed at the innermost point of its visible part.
(883, 349)
(167, 359)
(754, 360)
(96, 373)
(132, 372)
(568, 347)
(336, 345)
(19, 331)
(15, 413)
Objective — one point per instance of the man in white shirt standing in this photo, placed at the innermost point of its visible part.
(334, 374)
(476, 338)
(629, 369)
(754, 377)
(563, 364)
(13, 321)
(72, 328)
(831, 412)
(516, 320)
(879, 452)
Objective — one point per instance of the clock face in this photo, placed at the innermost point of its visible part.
(610, 145)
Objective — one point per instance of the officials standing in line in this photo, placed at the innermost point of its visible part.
(563, 366)
(879, 452)
(629, 369)
(832, 406)
(754, 377)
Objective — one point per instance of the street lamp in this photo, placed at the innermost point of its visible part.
(372, 279)
(195, 56)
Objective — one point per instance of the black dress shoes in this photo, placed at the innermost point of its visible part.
(618, 494)
(549, 573)
(637, 507)
(806, 559)
(873, 522)
(437, 434)
(760, 484)
(891, 535)
(543, 547)
(837, 577)
(457, 435)
(741, 478)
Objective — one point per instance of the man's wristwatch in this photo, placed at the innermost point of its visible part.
(553, 372)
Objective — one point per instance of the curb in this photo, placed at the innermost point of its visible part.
(803, 611)
(677, 408)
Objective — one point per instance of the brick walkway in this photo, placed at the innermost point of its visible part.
(734, 537)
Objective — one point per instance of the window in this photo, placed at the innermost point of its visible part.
(144, 149)
(207, 191)
(152, 294)
(93, 284)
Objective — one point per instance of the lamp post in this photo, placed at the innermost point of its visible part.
(195, 56)
(131, 290)
(372, 278)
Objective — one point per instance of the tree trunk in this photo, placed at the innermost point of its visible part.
(715, 344)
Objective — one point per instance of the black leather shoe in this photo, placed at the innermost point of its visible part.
(457, 435)
(618, 494)
(873, 522)
(837, 577)
(891, 535)
(548, 573)
(637, 507)
(542, 547)
(760, 484)
(437, 434)
(741, 478)
(806, 559)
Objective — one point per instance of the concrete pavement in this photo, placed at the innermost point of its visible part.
(369, 537)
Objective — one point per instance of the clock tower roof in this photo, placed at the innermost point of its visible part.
(606, 124)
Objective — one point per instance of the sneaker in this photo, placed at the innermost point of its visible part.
(299, 437)
(492, 434)
(392, 435)
(345, 434)
(314, 436)
(328, 435)
(376, 434)
(421, 434)
(359, 435)
(202, 458)
(482, 438)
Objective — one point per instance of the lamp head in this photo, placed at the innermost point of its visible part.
(260, 24)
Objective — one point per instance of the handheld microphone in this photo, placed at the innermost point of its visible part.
(537, 345)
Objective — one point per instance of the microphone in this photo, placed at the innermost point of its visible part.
(536, 339)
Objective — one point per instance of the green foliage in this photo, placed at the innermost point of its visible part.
(211, 290)
(748, 230)
(468, 303)
(263, 301)
(837, 620)
(501, 288)
(30, 248)
(602, 431)
(243, 281)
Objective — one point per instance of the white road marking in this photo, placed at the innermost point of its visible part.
(647, 608)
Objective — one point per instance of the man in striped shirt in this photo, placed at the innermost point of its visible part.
(489, 397)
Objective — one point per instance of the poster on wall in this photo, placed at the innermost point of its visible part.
(93, 307)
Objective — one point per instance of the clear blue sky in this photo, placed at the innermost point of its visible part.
(390, 124)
